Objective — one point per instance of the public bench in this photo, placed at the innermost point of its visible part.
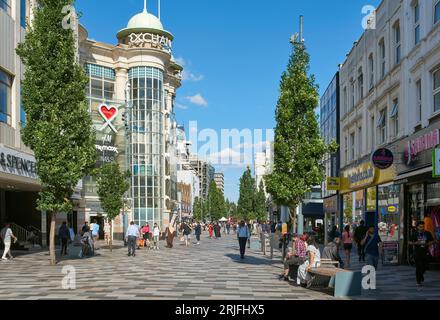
(346, 283)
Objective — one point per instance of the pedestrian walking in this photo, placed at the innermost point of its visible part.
(421, 240)
(249, 226)
(228, 228)
(64, 235)
(131, 236)
(156, 234)
(95, 234)
(8, 237)
(107, 233)
(71, 233)
(198, 232)
(210, 229)
(373, 247)
(347, 239)
(243, 235)
(358, 236)
(217, 230)
(186, 232)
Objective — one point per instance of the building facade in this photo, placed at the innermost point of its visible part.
(132, 86)
(390, 100)
(219, 178)
(205, 172)
(329, 123)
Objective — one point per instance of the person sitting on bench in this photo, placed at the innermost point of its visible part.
(331, 251)
(297, 256)
(313, 260)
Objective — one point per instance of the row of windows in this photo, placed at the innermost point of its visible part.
(354, 92)
(5, 5)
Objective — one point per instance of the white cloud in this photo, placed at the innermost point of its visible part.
(180, 61)
(181, 106)
(189, 76)
(197, 100)
(228, 157)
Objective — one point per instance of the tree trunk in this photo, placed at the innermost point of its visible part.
(111, 236)
(53, 260)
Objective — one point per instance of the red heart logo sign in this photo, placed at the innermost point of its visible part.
(108, 112)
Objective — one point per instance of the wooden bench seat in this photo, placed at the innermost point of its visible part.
(346, 283)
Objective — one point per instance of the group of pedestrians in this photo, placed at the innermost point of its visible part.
(136, 236)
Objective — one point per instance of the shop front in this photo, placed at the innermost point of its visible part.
(369, 194)
(421, 187)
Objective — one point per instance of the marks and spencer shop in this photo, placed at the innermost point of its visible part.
(369, 194)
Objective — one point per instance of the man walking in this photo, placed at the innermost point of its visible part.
(359, 234)
(198, 232)
(95, 234)
(7, 236)
(421, 240)
(131, 236)
(64, 235)
(243, 235)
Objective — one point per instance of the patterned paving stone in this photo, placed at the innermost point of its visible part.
(210, 271)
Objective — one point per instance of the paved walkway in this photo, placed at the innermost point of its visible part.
(212, 270)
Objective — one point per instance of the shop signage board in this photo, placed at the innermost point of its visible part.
(436, 163)
(390, 253)
(382, 158)
(333, 183)
(17, 163)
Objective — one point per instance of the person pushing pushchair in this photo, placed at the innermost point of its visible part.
(86, 243)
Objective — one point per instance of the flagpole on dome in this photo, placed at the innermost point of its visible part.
(145, 5)
(158, 9)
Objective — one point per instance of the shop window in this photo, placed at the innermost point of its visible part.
(388, 212)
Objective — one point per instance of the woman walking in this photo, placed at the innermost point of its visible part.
(156, 234)
(198, 232)
(242, 235)
(347, 239)
(210, 228)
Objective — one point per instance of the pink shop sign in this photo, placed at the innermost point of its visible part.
(423, 143)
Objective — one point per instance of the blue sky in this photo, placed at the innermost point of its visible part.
(234, 52)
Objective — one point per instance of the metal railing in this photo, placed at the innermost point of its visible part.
(21, 233)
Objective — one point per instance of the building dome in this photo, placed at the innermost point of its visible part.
(145, 20)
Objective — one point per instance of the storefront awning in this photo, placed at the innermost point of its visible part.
(313, 210)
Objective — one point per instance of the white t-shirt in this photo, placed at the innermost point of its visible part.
(107, 228)
(315, 250)
(156, 231)
(8, 236)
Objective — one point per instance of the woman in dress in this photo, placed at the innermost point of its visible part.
(347, 239)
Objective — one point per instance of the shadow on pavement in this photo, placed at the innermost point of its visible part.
(251, 259)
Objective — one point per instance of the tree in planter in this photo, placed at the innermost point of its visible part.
(299, 148)
(197, 208)
(260, 203)
(246, 201)
(112, 185)
(59, 127)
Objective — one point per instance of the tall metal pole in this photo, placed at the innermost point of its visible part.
(301, 29)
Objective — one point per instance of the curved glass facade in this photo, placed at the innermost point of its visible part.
(147, 144)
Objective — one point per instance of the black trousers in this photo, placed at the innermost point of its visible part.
(361, 251)
(198, 237)
(421, 267)
(242, 242)
(131, 245)
(64, 245)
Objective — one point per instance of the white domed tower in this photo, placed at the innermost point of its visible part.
(138, 77)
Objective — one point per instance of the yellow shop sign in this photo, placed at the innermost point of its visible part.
(360, 176)
(333, 183)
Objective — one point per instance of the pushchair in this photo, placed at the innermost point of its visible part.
(86, 246)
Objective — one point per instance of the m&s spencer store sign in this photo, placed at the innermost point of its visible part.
(17, 163)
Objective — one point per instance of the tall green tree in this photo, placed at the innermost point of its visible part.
(198, 208)
(59, 127)
(299, 148)
(260, 203)
(246, 201)
(112, 185)
(216, 201)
